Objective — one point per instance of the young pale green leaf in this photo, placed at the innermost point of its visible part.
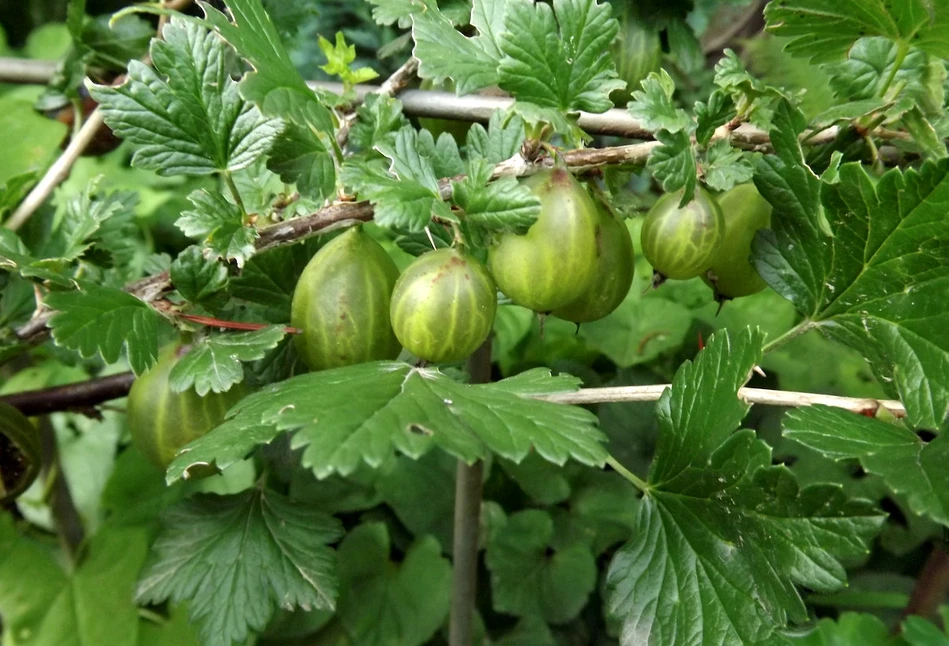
(339, 56)
(444, 53)
(558, 57)
(382, 602)
(726, 167)
(236, 558)
(502, 205)
(879, 283)
(535, 573)
(673, 164)
(219, 225)
(102, 320)
(502, 140)
(275, 86)
(196, 277)
(654, 107)
(186, 116)
(405, 409)
(722, 536)
(39, 601)
(214, 363)
(300, 156)
(910, 466)
(825, 31)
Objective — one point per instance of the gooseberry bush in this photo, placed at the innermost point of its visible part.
(591, 323)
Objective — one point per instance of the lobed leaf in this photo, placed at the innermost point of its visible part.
(214, 363)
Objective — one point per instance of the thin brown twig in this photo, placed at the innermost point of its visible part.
(390, 87)
(83, 395)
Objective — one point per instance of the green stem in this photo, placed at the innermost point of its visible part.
(902, 49)
(793, 333)
(638, 482)
(229, 180)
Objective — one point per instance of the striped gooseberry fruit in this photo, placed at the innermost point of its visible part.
(614, 271)
(637, 51)
(20, 453)
(443, 306)
(555, 261)
(163, 421)
(731, 274)
(678, 242)
(341, 303)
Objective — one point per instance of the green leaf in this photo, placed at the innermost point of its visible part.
(382, 602)
(534, 573)
(878, 285)
(300, 156)
(824, 32)
(102, 320)
(430, 478)
(910, 466)
(673, 163)
(850, 628)
(924, 135)
(544, 482)
(870, 69)
(30, 142)
(722, 536)
(403, 409)
(654, 107)
(388, 12)
(43, 605)
(236, 558)
(186, 116)
(444, 53)
(265, 286)
(558, 57)
(339, 57)
(501, 205)
(197, 278)
(919, 632)
(501, 141)
(214, 363)
(378, 117)
(717, 111)
(726, 167)
(443, 154)
(275, 85)
(219, 225)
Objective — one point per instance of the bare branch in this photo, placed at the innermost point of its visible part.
(390, 87)
(80, 396)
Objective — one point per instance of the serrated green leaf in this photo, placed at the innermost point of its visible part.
(264, 289)
(444, 53)
(502, 205)
(406, 409)
(870, 69)
(399, 204)
(236, 558)
(219, 225)
(722, 536)
(673, 164)
(388, 12)
(103, 320)
(214, 363)
(654, 107)
(544, 482)
(275, 85)
(383, 602)
(558, 56)
(824, 32)
(442, 153)
(726, 167)
(379, 117)
(186, 115)
(531, 574)
(878, 284)
(730, 74)
(195, 277)
(850, 628)
(301, 157)
(502, 139)
(910, 466)
(717, 111)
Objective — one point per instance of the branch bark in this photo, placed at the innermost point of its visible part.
(932, 585)
(81, 396)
